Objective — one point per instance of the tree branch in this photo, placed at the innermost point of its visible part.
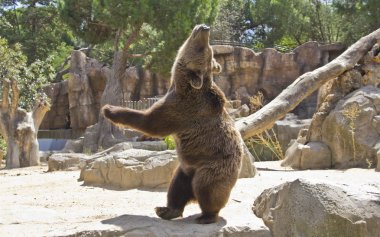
(139, 55)
(15, 97)
(122, 57)
(39, 112)
(303, 86)
(117, 39)
(5, 101)
(132, 37)
(59, 75)
(4, 124)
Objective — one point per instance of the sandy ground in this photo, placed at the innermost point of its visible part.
(34, 202)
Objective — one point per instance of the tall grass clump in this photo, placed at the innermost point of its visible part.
(352, 112)
(267, 139)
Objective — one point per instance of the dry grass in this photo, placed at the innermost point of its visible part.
(268, 138)
(351, 112)
(256, 102)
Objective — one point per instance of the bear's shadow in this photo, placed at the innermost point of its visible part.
(145, 224)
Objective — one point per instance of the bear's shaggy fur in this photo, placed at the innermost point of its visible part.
(208, 145)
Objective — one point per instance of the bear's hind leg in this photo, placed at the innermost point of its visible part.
(212, 193)
(179, 194)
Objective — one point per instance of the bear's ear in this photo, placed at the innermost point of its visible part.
(196, 81)
(215, 67)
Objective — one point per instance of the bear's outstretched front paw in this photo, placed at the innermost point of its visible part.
(108, 111)
(168, 213)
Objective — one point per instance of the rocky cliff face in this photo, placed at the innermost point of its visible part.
(345, 130)
(76, 102)
(246, 72)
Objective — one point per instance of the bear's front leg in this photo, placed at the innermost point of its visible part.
(158, 121)
(120, 115)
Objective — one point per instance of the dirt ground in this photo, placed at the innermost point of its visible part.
(34, 202)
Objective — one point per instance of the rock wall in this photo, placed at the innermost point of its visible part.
(246, 72)
(76, 102)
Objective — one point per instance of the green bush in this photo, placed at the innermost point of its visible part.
(170, 143)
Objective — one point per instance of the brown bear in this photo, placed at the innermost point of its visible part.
(208, 145)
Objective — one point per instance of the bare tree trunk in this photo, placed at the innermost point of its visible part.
(304, 86)
(13, 154)
(20, 129)
(113, 94)
(109, 134)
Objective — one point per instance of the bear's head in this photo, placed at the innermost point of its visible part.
(195, 62)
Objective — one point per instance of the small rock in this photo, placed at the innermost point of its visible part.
(74, 146)
(65, 161)
(313, 155)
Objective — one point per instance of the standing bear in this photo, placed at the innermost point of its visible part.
(209, 147)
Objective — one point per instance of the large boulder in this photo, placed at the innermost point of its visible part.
(301, 208)
(347, 121)
(288, 129)
(349, 135)
(125, 167)
(66, 161)
(74, 146)
(352, 129)
(150, 145)
(132, 168)
(313, 155)
(248, 169)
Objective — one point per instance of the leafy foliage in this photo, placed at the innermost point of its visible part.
(37, 75)
(292, 22)
(30, 79)
(170, 143)
(230, 21)
(358, 17)
(285, 24)
(36, 26)
(163, 25)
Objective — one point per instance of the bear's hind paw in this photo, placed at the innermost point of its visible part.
(168, 213)
(207, 219)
